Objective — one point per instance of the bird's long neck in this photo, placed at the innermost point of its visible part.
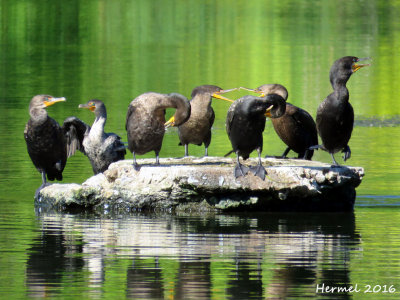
(182, 106)
(203, 100)
(339, 87)
(97, 129)
(38, 115)
(172, 101)
(169, 102)
(340, 91)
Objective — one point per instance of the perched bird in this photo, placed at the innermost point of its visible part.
(47, 142)
(197, 129)
(101, 148)
(145, 121)
(245, 123)
(335, 115)
(296, 127)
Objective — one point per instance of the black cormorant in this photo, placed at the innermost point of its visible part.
(47, 142)
(245, 123)
(335, 115)
(145, 121)
(197, 129)
(296, 127)
(101, 148)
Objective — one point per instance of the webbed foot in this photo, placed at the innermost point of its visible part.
(347, 153)
(259, 171)
(240, 170)
(135, 164)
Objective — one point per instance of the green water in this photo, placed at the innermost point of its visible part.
(116, 50)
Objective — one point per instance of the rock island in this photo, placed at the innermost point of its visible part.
(208, 184)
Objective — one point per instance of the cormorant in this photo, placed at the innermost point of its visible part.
(245, 123)
(335, 115)
(296, 127)
(101, 148)
(197, 129)
(47, 142)
(145, 121)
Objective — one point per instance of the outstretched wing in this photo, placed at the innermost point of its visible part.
(74, 131)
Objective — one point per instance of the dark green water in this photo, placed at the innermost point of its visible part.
(116, 50)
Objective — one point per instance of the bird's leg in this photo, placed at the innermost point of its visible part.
(206, 152)
(37, 192)
(186, 150)
(44, 183)
(240, 170)
(135, 164)
(157, 157)
(259, 170)
(334, 161)
(43, 178)
(305, 155)
(285, 152)
(347, 153)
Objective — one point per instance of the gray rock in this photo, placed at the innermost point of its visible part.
(208, 184)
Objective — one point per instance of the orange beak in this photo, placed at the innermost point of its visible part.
(89, 106)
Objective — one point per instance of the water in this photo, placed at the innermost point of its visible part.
(116, 50)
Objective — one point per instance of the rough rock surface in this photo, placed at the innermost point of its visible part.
(208, 184)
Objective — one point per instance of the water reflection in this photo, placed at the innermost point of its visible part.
(144, 280)
(194, 279)
(187, 257)
(51, 255)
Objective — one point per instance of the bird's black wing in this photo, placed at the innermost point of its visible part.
(74, 132)
(228, 123)
(212, 117)
(230, 116)
(303, 117)
(307, 126)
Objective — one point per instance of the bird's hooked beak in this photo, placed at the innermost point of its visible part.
(90, 106)
(218, 96)
(52, 100)
(253, 90)
(355, 67)
(170, 122)
(268, 111)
